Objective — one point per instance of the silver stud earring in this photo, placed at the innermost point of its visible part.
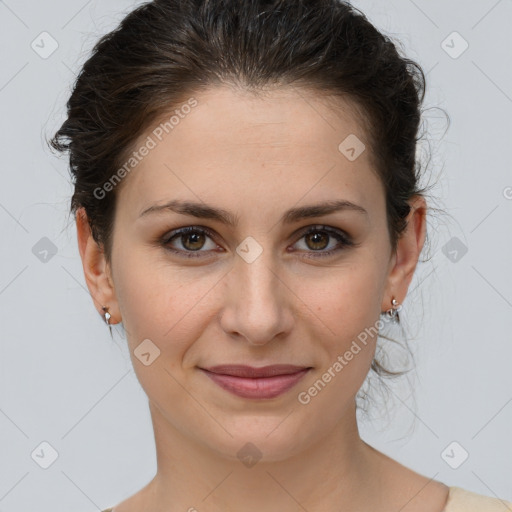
(107, 317)
(393, 311)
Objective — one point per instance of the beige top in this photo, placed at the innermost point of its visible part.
(461, 500)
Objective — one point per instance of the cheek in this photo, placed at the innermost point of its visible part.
(348, 298)
(347, 311)
(350, 307)
(157, 301)
(159, 304)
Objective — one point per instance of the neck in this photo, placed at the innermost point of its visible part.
(333, 474)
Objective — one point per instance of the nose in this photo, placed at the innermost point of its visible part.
(257, 302)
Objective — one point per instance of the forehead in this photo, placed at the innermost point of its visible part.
(279, 144)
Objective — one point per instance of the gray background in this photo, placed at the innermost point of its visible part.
(63, 380)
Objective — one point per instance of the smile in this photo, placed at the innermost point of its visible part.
(256, 383)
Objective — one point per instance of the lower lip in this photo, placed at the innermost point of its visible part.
(263, 387)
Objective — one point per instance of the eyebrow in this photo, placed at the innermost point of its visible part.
(204, 211)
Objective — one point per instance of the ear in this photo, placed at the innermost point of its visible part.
(404, 260)
(97, 271)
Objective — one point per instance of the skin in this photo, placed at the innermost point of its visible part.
(257, 157)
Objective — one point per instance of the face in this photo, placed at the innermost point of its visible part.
(271, 286)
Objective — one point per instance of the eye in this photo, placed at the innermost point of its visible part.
(192, 238)
(317, 238)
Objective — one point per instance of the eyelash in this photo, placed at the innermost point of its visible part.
(344, 240)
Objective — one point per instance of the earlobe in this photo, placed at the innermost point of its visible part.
(95, 266)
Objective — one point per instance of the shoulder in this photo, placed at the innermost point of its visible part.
(462, 500)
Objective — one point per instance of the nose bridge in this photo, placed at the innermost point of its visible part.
(258, 277)
(256, 309)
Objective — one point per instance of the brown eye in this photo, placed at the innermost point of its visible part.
(317, 240)
(192, 240)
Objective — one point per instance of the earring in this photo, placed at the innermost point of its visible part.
(393, 312)
(107, 317)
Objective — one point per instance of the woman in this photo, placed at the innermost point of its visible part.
(248, 204)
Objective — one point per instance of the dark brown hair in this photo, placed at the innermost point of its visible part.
(165, 51)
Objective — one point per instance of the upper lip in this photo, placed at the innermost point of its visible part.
(238, 370)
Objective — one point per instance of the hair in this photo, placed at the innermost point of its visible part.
(164, 51)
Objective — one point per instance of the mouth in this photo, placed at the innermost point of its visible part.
(256, 383)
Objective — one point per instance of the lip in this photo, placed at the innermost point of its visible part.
(257, 383)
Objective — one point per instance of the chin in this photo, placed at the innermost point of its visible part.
(261, 439)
